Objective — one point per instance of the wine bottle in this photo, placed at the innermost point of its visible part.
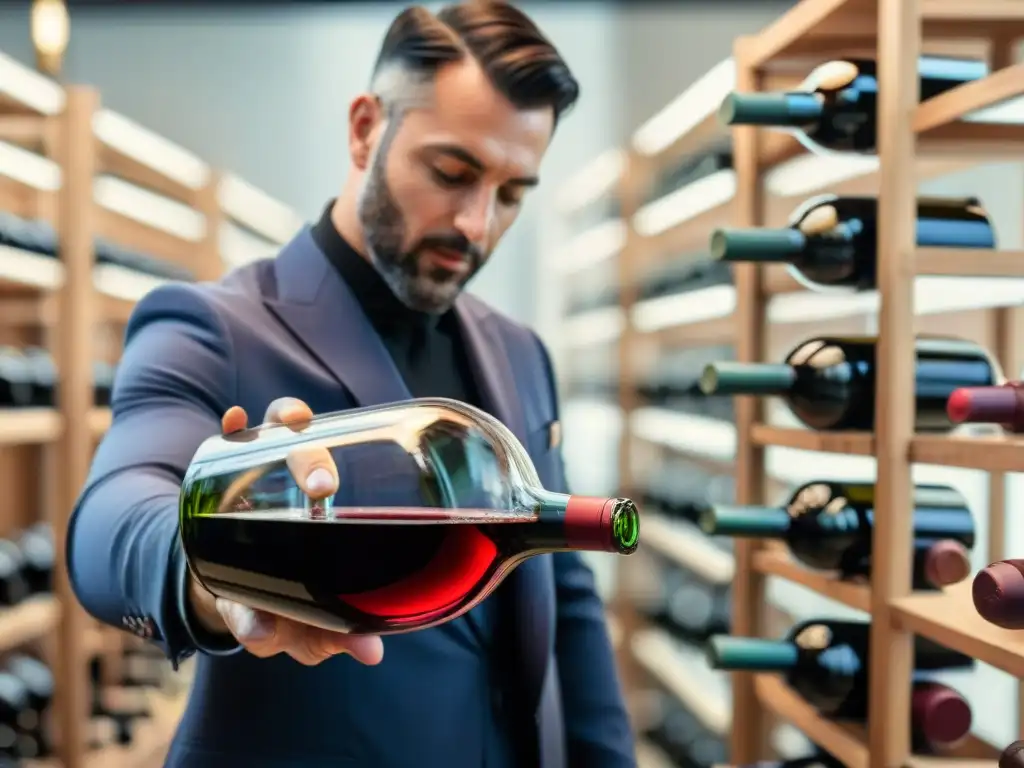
(14, 705)
(685, 275)
(44, 377)
(688, 170)
(1001, 404)
(437, 502)
(828, 382)
(1012, 756)
(674, 382)
(826, 662)
(832, 242)
(37, 550)
(828, 525)
(14, 586)
(15, 379)
(820, 760)
(998, 593)
(39, 685)
(836, 106)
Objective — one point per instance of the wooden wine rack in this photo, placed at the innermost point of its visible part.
(166, 203)
(772, 173)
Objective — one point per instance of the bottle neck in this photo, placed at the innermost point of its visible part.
(745, 521)
(758, 245)
(751, 654)
(568, 522)
(727, 378)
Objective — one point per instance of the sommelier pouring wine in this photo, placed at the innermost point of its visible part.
(364, 308)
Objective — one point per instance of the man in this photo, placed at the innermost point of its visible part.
(365, 307)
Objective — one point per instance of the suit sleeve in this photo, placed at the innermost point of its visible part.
(598, 732)
(124, 554)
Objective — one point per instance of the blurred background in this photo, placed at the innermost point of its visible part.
(261, 91)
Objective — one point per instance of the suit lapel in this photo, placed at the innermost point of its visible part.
(492, 368)
(316, 303)
(530, 585)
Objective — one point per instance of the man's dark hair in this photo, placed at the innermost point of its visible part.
(517, 58)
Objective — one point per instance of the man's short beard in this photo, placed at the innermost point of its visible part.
(385, 236)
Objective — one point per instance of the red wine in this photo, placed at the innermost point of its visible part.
(833, 241)
(828, 382)
(380, 570)
(827, 662)
(1001, 404)
(828, 525)
(836, 106)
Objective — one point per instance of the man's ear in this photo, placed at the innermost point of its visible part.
(365, 120)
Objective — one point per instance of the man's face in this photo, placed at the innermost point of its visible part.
(444, 184)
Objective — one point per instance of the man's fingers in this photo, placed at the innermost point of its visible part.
(290, 411)
(265, 635)
(256, 630)
(314, 471)
(234, 419)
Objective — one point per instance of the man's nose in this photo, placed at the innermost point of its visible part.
(476, 218)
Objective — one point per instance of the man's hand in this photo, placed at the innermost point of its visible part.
(265, 634)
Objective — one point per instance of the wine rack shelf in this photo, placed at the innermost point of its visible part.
(765, 308)
(95, 211)
(840, 740)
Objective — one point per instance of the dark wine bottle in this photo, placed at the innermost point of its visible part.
(1012, 756)
(15, 706)
(998, 593)
(674, 382)
(832, 242)
(38, 681)
(1001, 404)
(690, 169)
(14, 585)
(828, 382)
(821, 760)
(836, 106)
(15, 379)
(685, 275)
(44, 377)
(37, 550)
(828, 525)
(826, 662)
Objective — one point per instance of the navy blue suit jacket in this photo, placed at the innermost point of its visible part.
(289, 326)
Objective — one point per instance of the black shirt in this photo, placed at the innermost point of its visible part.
(428, 350)
(431, 358)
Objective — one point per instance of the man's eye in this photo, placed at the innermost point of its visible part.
(510, 197)
(447, 180)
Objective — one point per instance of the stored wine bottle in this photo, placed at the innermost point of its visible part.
(14, 586)
(1001, 404)
(998, 593)
(14, 705)
(836, 106)
(820, 760)
(38, 681)
(15, 379)
(37, 550)
(832, 242)
(684, 275)
(437, 502)
(828, 382)
(826, 662)
(689, 170)
(1012, 756)
(828, 525)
